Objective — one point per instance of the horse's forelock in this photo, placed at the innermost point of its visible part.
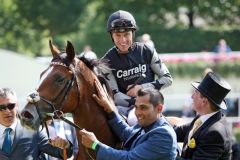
(89, 62)
(100, 64)
(62, 58)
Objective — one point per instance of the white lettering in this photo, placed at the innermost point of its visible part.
(132, 71)
(119, 74)
(144, 68)
(125, 73)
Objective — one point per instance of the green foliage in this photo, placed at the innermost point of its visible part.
(237, 134)
(192, 40)
(167, 40)
(228, 68)
(187, 69)
(59, 17)
(26, 25)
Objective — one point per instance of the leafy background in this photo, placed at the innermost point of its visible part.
(175, 26)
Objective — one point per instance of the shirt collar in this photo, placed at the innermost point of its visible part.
(149, 127)
(205, 117)
(13, 127)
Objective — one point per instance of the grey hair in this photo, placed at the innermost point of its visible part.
(4, 92)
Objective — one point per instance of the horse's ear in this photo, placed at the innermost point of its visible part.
(70, 51)
(54, 49)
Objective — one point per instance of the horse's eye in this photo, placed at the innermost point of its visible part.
(60, 80)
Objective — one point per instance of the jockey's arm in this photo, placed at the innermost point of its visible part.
(161, 71)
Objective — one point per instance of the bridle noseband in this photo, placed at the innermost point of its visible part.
(34, 98)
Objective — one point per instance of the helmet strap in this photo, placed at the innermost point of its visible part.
(133, 35)
(111, 37)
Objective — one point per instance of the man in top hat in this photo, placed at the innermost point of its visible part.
(208, 135)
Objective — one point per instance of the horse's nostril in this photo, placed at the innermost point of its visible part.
(27, 115)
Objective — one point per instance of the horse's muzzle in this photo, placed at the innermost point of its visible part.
(27, 115)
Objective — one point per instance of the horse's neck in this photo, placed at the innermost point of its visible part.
(89, 114)
(85, 73)
(94, 120)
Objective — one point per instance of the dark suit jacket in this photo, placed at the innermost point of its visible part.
(28, 144)
(157, 143)
(70, 134)
(213, 139)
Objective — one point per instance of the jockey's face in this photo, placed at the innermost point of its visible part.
(145, 112)
(123, 40)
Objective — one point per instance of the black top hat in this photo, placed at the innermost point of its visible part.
(215, 88)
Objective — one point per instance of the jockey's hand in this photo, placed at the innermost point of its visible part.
(102, 98)
(88, 138)
(59, 142)
(133, 92)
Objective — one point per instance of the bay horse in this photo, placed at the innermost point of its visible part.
(67, 85)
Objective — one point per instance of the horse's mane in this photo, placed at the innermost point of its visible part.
(98, 66)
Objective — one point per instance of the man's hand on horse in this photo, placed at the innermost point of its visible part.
(102, 98)
(88, 138)
(59, 142)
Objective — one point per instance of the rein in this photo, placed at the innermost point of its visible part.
(35, 97)
(59, 114)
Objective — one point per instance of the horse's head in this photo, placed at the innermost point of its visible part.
(58, 84)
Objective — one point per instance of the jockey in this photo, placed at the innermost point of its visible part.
(129, 61)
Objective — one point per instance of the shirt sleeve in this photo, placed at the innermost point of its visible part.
(160, 69)
(158, 145)
(120, 99)
(47, 148)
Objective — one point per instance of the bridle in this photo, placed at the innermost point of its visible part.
(57, 113)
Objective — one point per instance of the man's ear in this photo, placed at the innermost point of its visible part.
(205, 100)
(159, 108)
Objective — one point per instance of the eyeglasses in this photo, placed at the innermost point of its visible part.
(122, 23)
(9, 106)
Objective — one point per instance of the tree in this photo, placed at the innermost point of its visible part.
(27, 25)
(58, 17)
